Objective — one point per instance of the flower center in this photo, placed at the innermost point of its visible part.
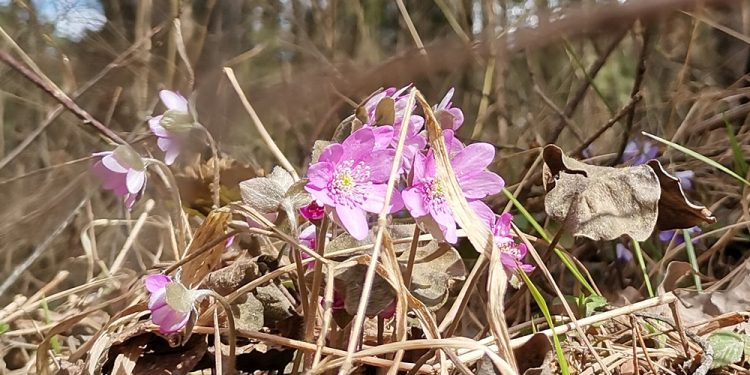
(506, 245)
(350, 183)
(433, 191)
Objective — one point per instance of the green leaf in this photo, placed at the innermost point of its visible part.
(698, 156)
(740, 165)
(562, 362)
(728, 347)
(591, 303)
(4, 327)
(561, 254)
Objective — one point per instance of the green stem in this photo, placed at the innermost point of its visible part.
(693, 260)
(642, 264)
(548, 317)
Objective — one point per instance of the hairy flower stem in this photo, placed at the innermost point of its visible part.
(231, 334)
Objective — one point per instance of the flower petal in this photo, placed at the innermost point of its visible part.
(171, 154)
(135, 181)
(380, 163)
(154, 124)
(156, 282)
(113, 165)
(320, 174)
(332, 153)
(354, 220)
(480, 185)
(414, 202)
(169, 320)
(444, 217)
(173, 100)
(483, 211)
(474, 157)
(358, 145)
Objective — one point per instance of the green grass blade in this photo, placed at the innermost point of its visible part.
(642, 264)
(548, 317)
(740, 165)
(693, 260)
(561, 254)
(538, 228)
(698, 156)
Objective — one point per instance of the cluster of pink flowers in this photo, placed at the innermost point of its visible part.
(349, 179)
(123, 170)
(348, 182)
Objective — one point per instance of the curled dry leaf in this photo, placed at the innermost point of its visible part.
(212, 228)
(603, 203)
(675, 210)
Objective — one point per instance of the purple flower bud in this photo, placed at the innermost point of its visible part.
(313, 211)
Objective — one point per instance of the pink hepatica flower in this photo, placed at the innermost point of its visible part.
(449, 117)
(414, 141)
(511, 253)
(171, 303)
(123, 172)
(425, 198)
(169, 128)
(350, 179)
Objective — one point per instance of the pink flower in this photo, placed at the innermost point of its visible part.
(350, 179)
(511, 253)
(168, 127)
(449, 116)
(389, 136)
(169, 317)
(123, 172)
(313, 211)
(425, 198)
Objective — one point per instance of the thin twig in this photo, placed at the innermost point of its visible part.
(259, 125)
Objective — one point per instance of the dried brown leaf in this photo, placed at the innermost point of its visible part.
(212, 228)
(437, 268)
(675, 210)
(385, 111)
(601, 203)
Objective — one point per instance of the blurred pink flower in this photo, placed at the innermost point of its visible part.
(350, 179)
(168, 126)
(425, 198)
(511, 253)
(122, 171)
(169, 318)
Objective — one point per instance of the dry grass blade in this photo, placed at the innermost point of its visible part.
(382, 223)
(478, 233)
